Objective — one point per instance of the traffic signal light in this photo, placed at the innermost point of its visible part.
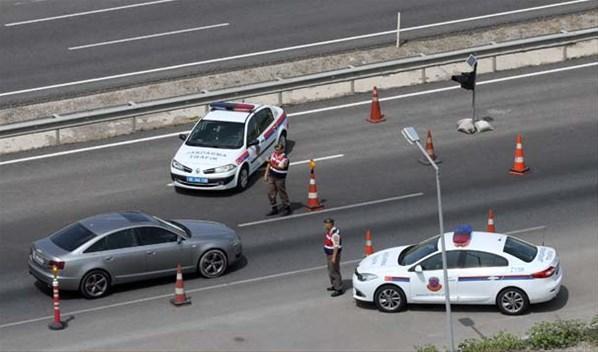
(467, 79)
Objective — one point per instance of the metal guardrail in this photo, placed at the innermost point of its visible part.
(180, 102)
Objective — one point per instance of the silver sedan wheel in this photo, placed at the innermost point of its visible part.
(512, 302)
(213, 263)
(95, 284)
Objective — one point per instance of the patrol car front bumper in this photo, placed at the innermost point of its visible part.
(223, 181)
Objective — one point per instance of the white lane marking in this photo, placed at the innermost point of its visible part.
(200, 289)
(336, 107)
(294, 163)
(87, 13)
(529, 229)
(323, 211)
(149, 36)
(253, 54)
(498, 14)
(203, 289)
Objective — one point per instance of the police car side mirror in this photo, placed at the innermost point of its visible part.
(418, 269)
(183, 136)
(253, 142)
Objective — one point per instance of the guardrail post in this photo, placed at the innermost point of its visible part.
(398, 28)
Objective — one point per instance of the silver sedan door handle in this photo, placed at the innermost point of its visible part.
(150, 252)
(108, 259)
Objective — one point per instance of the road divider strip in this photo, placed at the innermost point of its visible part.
(323, 211)
(203, 289)
(149, 36)
(308, 112)
(295, 163)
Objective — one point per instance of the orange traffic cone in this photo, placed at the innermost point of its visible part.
(490, 227)
(313, 201)
(519, 167)
(376, 115)
(368, 249)
(430, 151)
(179, 290)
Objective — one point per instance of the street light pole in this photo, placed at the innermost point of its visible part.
(411, 135)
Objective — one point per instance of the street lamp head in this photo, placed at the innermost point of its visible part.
(410, 135)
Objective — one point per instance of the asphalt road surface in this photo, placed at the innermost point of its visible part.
(57, 42)
(276, 299)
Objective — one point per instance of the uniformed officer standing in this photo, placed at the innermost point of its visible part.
(333, 247)
(275, 176)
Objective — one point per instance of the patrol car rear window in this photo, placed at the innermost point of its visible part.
(72, 237)
(217, 134)
(519, 249)
(416, 252)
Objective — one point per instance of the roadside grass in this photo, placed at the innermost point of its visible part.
(543, 336)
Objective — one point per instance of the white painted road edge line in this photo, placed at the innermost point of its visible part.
(149, 36)
(87, 13)
(323, 211)
(294, 163)
(307, 112)
(278, 50)
(208, 288)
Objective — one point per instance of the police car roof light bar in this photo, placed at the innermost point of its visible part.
(223, 105)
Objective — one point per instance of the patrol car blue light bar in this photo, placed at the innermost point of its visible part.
(222, 105)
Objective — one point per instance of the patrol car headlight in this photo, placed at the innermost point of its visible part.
(366, 277)
(220, 169)
(177, 165)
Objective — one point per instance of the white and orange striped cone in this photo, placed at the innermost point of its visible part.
(368, 248)
(490, 227)
(179, 290)
(376, 115)
(430, 151)
(313, 200)
(519, 167)
(57, 323)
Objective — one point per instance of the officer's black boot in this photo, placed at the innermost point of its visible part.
(274, 211)
(287, 211)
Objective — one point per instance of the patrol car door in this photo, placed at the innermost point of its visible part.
(267, 133)
(427, 284)
(480, 276)
(254, 146)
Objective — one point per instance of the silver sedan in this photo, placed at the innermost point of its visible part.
(97, 252)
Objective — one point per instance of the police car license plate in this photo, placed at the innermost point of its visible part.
(197, 179)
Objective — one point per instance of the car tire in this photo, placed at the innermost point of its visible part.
(390, 299)
(213, 263)
(512, 301)
(95, 284)
(243, 179)
(283, 140)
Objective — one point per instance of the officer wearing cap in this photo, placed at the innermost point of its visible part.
(333, 247)
(275, 176)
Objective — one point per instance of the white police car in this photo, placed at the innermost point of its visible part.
(483, 268)
(228, 145)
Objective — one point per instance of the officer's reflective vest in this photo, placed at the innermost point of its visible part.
(329, 244)
(275, 160)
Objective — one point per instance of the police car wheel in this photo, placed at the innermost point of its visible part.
(390, 299)
(283, 140)
(243, 179)
(512, 301)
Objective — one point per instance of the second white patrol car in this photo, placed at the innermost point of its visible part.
(483, 268)
(228, 145)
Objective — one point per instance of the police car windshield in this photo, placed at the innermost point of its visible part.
(414, 253)
(217, 134)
